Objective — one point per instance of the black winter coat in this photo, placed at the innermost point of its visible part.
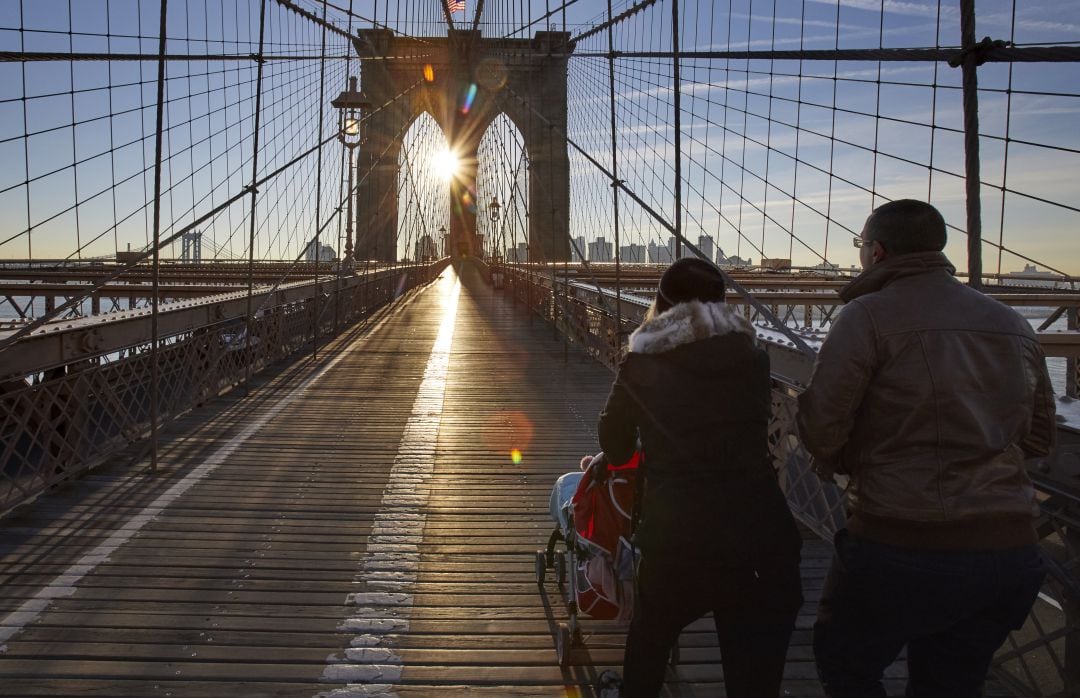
(695, 389)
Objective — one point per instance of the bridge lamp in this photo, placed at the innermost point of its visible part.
(494, 209)
(350, 105)
(442, 239)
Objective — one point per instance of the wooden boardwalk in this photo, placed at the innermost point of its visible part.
(335, 527)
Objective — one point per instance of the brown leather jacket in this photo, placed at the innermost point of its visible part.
(930, 396)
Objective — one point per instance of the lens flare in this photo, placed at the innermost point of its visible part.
(429, 72)
(470, 97)
(445, 164)
(468, 202)
(515, 456)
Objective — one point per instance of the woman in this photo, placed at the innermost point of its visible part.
(715, 533)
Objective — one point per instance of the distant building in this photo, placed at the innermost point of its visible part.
(324, 253)
(633, 254)
(684, 250)
(826, 267)
(776, 263)
(578, 248)
(128, 257)
(424, 249)
(600, 251)
(707, 246)
(517, 254)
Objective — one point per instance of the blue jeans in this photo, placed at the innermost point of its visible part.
(952, 610)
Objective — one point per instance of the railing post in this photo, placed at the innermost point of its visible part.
(971, 142)
(318, 192)
(154, 368)
(677, 108)
(250, 324)
(615, 174)
(1070, 605)
(1072, 363)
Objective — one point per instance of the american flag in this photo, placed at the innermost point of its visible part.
(456, 6)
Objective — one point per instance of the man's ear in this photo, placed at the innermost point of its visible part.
(878, 252)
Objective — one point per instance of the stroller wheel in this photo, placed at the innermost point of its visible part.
(563, 640)
(541, 567)
(560, 567)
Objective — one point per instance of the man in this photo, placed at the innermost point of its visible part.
(930, 396)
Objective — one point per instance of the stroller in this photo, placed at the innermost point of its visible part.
(594, 518)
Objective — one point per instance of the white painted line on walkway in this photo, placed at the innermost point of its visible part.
(64, 584)
(1050, 601)
(391, 559)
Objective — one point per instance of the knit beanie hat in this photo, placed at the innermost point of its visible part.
(690, 279)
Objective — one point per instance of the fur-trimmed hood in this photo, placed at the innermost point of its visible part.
(685, 323)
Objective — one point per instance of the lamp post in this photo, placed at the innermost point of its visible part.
(442, 239)
(349, 104)
(493, 214)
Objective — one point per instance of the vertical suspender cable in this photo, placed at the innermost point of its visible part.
(26, 141)
(614, 185)
(677, 104)
(971, 142)
(248, 337)
(348, 196)
(156, 273)
(318, 192)
(1005, 155)
(74, 145)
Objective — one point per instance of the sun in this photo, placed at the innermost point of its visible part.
(445, 164)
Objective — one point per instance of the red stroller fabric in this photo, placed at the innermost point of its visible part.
(602, 512)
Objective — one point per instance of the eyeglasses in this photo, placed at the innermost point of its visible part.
(858, 241)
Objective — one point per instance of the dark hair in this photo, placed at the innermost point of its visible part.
(907, 225)
(689, 279)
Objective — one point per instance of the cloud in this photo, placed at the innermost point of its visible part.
(900, 7)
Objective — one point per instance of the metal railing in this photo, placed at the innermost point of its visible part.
(73, 395)
(1041, 660)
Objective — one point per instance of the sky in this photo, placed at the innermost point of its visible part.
(779, 159)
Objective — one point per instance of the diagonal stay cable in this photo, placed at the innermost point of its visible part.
(621, 17)
(144, 255)
(478, 14)
(346, 11)
(541, 18)
(446, 14)
(801, 345)
(573, 243)
(337, 211)
(848, 181)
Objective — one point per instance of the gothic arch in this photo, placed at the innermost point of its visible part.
(502, 173)
(421, 193)
(500, 73)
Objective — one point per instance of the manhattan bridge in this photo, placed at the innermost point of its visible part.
(305, 304)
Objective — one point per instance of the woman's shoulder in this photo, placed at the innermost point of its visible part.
(688, 323)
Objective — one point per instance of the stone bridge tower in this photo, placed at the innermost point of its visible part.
(523, 78)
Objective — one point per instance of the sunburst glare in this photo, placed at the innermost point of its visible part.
(445, 164)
